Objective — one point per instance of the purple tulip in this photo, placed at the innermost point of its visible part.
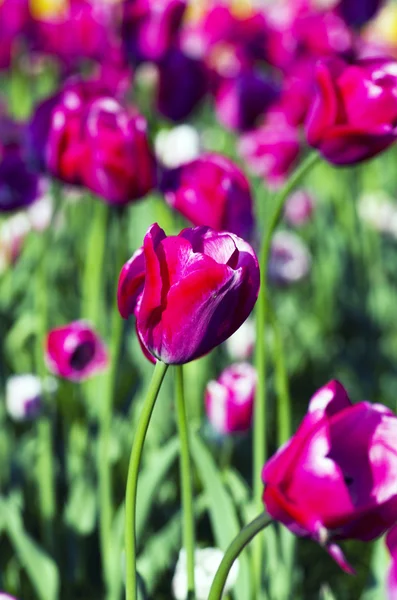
(354, 113)
(335, 479)
(229, 400)
(19, 184)
(183, 83)
(271, 151)
(93, 140)
(240, 100)
(211, 190)
(150, 29)
(188, 292)
(358, 12)
(75, 351)
(119, 163)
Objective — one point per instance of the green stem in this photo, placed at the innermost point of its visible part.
(235, 548)
(105, 418)
(93, 276)
(259, 434)
(283, 397)
(132, 480)
(186, 482)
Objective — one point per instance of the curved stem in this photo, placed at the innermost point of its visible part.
(235, 548)
(259, 436)
(186, 482)
(132, 480)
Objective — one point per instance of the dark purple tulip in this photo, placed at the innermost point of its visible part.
(191, 291)
(183, 83)
(75, 351)
(211, 190)
(19, 184)
(150, 29)
(358, 12)
(240, 100)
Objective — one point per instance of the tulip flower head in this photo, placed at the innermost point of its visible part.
(4, 596)
(335, 479)
(290, 259)
(188, 292)
(354, 113)
(299, 208)
(24, 396)
(229, 400)
(211, 190)
(75, 351)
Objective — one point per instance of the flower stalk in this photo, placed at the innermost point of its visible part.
(132, 480)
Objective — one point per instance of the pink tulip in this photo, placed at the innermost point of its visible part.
(229, 400)
(354, 113)
(75, 351)
(335, 479)
(188, 292)
(211, 190)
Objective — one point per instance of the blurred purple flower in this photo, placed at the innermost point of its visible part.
(183, 83)
(75, 351)
(211, 190)
(271, 151)
(290, 259)
(299, 208)
(240, 100)
(358, 12)
(150, 29)
(229, 401)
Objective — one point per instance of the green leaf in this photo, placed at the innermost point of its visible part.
(222, 512)
(155, 471)
(40, 568)
(81, 508)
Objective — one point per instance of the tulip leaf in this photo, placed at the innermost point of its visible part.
(40, 568)
(222, 512)
(156, 469)
(80, 512)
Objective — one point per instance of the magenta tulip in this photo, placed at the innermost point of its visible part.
(75, 351)
(150, 29)
(354, 113)
(229, 401)
(119, 163)
(211, 190)
(188, 292)
(335, 478)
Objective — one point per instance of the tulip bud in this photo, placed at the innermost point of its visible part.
(207, 561)
(229, 400)
(211, 190)
(335, 478)
(188, 292)
(354, 113)
(75, 352)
